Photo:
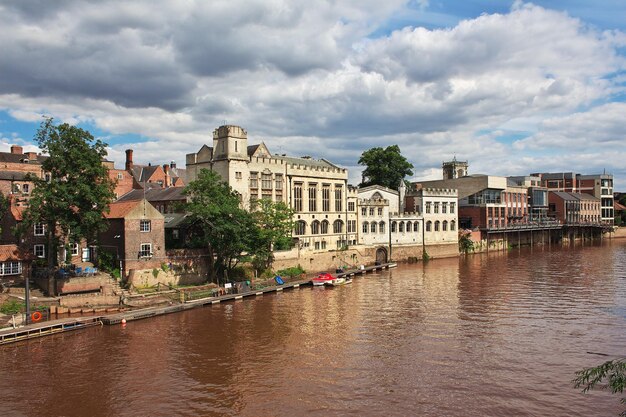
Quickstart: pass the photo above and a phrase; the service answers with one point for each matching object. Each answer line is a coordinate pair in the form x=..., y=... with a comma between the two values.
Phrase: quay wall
x=362, y=255
x=619, y=233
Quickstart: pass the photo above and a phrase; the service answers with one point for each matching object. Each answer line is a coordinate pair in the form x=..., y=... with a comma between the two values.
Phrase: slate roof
x=154, y=194
x=19, y=157
x=13, y=175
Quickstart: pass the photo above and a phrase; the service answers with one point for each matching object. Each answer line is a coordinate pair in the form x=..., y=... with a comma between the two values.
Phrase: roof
x=18, y=158
x=252, y=149
x=618, y=207
x=565, y=196
x=13, y=253
x=173, y=220
x=142, y=173
x=154, y=194
x=18, y=212
x=119, y=210
x=14, y=175
x=310, y=162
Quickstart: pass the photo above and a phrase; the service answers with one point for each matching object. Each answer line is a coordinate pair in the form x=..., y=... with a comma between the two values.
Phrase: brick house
x=135, y=235
x=14, y=166
x=15, y=264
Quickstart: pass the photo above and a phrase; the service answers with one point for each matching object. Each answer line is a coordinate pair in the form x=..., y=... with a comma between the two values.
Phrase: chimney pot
x=17, y=150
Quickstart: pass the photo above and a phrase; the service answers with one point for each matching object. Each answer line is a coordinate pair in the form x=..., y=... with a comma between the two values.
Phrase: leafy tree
x=613, y=371
x=275, y=223
x=386, y=167
x=466, y=244
x=70, y=201
x=228, y=231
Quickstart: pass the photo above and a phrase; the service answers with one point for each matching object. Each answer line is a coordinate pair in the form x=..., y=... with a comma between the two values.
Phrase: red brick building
x=135, y=235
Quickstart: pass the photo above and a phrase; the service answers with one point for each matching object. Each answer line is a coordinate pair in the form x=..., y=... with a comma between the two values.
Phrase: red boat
x=324, y=278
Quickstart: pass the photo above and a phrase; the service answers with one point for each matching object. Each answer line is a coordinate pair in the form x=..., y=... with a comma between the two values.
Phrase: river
x=498, y=334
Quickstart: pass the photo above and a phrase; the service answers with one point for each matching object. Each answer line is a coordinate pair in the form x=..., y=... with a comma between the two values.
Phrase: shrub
x=12, y=306
x=294, y=271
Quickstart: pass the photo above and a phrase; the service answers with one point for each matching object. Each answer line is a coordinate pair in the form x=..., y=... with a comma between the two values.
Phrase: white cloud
x=304, y=76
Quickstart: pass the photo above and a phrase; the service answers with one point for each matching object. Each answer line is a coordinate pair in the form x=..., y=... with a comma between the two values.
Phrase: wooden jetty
x=63, y=325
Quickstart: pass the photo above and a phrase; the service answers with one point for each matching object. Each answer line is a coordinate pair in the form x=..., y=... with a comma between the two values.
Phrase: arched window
x=315, y=227
x=300, y=228
x=409, y=226
x=452, y=225
x=394, y=227
x=373, y=227
x=365, y=227
x=416, y=226
x=429, y=226
x=338, y=226
x=324, y=227
x=401, y=227
x=381, y=227
x=444, y=226
x=437, y=226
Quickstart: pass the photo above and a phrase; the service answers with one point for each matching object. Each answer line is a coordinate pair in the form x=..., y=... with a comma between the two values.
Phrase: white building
x=316, y=189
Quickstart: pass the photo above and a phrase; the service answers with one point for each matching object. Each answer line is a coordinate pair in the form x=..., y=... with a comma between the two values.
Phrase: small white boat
x=336, y=282
x=348, y=280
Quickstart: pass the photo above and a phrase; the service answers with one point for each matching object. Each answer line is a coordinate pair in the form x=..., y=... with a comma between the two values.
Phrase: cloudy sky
x=513, y=87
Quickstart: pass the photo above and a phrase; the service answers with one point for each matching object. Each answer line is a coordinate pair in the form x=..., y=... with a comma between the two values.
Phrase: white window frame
x=145, y=250
x=39, y=250
x=39, y=229
x=74, y=249
x=10, y=268
x=142, y=226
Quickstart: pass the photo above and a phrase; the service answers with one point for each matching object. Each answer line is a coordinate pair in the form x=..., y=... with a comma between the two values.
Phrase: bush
x=291, y=272
x=12, y=306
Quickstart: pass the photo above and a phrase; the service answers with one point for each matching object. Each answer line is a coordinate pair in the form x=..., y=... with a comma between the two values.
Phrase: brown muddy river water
x=488, y=335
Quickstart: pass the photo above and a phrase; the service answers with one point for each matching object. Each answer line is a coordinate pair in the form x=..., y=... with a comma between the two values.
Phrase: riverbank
x=49, y=328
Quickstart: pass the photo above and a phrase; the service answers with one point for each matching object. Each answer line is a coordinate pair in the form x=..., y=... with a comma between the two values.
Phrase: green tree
x=76, y=190
x=275, y=223
x=228, y=231
x=613, y=372
x=386, y=167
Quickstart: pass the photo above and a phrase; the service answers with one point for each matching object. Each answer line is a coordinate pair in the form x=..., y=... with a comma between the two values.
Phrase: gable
x=261, y=151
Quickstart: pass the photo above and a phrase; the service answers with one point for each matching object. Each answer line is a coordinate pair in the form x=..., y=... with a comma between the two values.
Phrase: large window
x=452, y=205
x=254, y=180
x=10, y=268
x=351, y=206
x=338, y=198
x=437, y=226
x=145, y=250
x=428, y=207
x=315, y=227
x=145, y=225
x=39, y=251
x=40, y=229
x=278, y=183
x=324, y=227
x=266, y=181
x=326, y=198
x=373, y=227
x=312, y=197
x=394, y=227
x=381, y=227
x=338, y=226
x=300, y=228
x=297, y=197
x=429, y=226
x=365, y=227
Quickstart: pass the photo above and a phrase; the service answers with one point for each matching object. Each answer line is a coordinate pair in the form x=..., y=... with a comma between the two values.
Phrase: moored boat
x=336, y=282
x=323, y=278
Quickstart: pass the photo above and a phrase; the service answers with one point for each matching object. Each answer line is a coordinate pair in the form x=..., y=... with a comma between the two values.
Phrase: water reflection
x=492, y=334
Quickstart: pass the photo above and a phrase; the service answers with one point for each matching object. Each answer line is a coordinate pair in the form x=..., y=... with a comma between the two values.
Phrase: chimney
x=166, y=169
x=17, y=150
x=173, y=165
x=31, y=155
x=129, y=159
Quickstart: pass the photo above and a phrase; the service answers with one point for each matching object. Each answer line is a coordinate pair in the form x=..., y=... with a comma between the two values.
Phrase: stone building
x=316, y=189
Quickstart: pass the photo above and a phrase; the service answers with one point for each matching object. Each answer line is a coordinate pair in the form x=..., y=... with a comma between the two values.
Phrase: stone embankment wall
x=182, y=267
x=352, y=257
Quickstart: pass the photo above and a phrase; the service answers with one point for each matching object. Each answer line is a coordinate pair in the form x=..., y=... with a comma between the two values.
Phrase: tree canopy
x=275, y=223
x=613, y=372
x=386, y=167
x=76, y=189
x=228, y=230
